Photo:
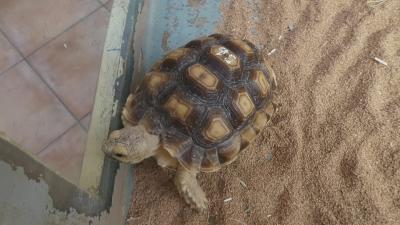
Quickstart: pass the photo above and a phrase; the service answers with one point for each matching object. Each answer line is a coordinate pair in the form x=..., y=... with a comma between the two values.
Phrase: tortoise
x=196, y=110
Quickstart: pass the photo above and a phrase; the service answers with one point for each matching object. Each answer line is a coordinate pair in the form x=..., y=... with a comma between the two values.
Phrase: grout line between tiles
x=42, y=79
x=77, y=121
x=55, y=139
x=101, y=3
x=25, y=58
x=105, y=5
x=55, y=94
x=62, y=32
x=84, y=118
x=108, y=10
x=12, y=66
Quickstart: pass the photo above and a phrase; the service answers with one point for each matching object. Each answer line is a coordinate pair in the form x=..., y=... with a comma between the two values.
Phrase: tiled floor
x=50, y=53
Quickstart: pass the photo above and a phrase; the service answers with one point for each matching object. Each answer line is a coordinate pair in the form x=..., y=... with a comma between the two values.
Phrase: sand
x=331, y=155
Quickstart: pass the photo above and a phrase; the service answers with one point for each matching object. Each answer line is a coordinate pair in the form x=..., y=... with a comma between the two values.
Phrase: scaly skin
x=190, y=190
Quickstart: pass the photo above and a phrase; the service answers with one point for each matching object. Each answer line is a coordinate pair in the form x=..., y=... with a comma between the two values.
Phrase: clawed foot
x=190, y=190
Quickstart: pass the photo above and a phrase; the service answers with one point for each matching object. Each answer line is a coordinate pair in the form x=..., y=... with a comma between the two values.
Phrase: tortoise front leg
x=190, y=190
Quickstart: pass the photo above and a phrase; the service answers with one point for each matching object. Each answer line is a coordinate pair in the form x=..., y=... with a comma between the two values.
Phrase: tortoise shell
x=207, y=100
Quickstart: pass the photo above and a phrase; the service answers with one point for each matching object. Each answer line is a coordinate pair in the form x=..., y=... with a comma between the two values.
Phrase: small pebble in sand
x=261, y=46
x=227, y=200
x=269, y=156
x=290, y=27
x=65, y=45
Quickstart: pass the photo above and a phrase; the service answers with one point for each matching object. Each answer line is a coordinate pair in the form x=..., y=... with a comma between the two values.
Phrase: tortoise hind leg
x=190, y=190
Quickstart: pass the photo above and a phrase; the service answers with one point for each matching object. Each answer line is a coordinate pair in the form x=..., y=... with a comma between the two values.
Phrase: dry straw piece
x=375, y=3
x=242, y=183
x=238, y=221
x=271, y=52
x=227, y=200
x=381, y=61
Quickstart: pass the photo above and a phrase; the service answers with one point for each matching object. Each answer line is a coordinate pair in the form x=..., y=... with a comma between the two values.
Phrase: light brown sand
x=332, y=153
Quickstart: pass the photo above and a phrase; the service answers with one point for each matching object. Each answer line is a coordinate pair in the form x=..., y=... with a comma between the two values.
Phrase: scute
x=243, y=49
x=134, y=109
x=192, y=158
x=259, y=121
x=173, y=58
x=202, y=77
x=270, y=73
x=200, y=42
x=243, y=104
x=228, y=151
x=217, y=128
x=178, y=107
x=247, y=134
x=176, y=143
x=260, y=81
x=210, y=161
x=225, y=56
x=208, y=100
x=155, y=80
x=225, y=61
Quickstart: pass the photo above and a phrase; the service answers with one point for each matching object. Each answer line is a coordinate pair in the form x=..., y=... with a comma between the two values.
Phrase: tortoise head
x=131, y=144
